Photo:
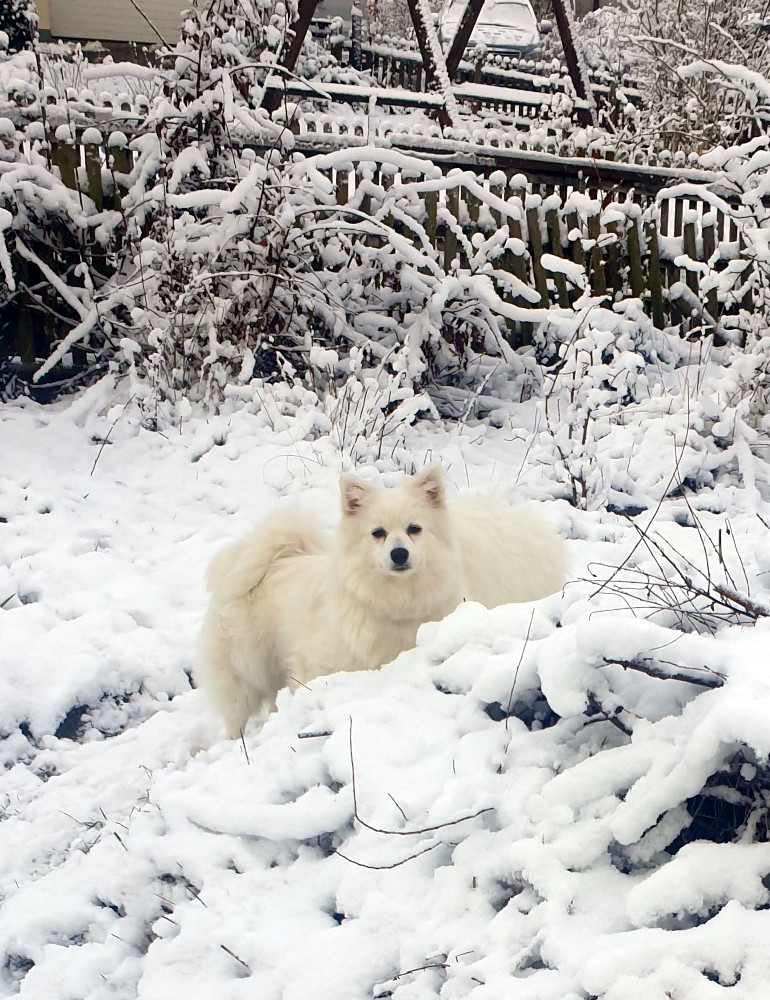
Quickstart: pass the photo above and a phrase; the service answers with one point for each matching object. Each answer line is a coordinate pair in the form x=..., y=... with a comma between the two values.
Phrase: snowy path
x=161, y=862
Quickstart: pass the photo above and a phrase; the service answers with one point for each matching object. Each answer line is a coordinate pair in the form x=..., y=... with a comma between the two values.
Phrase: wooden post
x=292, y=46
x=462, y=35
x=581, y=85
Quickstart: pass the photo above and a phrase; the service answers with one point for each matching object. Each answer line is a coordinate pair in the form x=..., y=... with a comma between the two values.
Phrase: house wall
x=114, y=20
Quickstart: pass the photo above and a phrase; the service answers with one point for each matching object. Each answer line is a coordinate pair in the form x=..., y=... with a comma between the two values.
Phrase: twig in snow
x=106, y=438
x=398, y=807
x=233, y=955
x=675, y=477
x=395, y=864
x=421, y=968
x=399, y=833
x=516, y=674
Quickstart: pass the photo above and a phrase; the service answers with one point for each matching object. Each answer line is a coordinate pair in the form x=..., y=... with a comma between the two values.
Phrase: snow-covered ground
x=464, y=822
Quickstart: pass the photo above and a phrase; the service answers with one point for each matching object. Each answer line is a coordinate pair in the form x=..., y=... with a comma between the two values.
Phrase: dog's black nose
x=399, y=556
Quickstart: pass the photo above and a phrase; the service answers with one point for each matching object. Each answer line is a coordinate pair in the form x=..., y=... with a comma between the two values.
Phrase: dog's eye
x=413, y=529
x=379, y=533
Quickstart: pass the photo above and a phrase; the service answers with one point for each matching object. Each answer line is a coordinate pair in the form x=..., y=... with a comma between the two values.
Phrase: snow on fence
x=544, y=227
x=395, y=66
x=551, y=227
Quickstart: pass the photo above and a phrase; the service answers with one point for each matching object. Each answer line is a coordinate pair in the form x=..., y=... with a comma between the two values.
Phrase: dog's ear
x=430, y=482
x=353, y=492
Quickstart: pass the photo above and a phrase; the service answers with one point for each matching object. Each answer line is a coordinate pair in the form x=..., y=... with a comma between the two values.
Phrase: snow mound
x=547, y=801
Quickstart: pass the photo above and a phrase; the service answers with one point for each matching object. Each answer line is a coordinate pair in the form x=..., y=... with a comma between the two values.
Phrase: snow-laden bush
x=235, y=264
x=651, y=43
x=18, y=23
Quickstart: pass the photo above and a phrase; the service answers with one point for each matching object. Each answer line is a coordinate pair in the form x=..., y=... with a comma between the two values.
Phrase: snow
x=498, y=842
x=561, y=800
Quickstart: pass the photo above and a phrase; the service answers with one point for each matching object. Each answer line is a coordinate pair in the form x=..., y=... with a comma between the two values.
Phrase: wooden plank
x=450, y=239
x=579, y=79
x=93, y=161
x=615, y=259
x=575, y=246
x=64, y=156
x=595, y=264
x=431, y=211
x=636, y=274
x=518, y=262
x=690, y=249
x=536, y=250
x=555, y=246
x=654, y=276
x=23, y=335
x=709, y=249
x=426, y=51
x=747, y=299
x=664, y=217
x=120, y=162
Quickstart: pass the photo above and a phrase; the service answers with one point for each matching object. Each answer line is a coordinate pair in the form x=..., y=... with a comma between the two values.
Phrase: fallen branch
x=709, y=679
x=598, y=712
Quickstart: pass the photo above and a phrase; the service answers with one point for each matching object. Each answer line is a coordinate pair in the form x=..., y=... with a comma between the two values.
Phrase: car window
x=512, y=12
x=508, y=13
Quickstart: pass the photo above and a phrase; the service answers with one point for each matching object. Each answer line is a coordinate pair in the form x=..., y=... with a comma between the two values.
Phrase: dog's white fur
x=289, y=604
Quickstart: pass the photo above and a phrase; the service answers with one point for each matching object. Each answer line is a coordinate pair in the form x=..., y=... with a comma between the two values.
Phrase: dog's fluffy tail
x=243, y=565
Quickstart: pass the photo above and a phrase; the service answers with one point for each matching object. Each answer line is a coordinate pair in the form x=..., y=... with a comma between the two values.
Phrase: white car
x=505, y=27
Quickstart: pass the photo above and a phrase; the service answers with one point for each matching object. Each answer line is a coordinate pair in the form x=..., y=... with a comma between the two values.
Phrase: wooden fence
x=570, y=221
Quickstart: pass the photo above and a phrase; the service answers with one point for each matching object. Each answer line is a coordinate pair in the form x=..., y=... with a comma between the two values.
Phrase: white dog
x=289, y=604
